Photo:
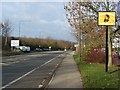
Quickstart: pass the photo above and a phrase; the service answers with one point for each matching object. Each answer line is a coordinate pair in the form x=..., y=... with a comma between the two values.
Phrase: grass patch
x=94, y=75
x=10, y=53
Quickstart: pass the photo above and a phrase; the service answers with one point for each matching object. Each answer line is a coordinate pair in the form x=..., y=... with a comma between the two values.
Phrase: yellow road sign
x=106, y=18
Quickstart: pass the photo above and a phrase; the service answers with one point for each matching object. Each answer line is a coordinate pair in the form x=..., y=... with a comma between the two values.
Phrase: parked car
x=45, y=49
x=24, y=48
x=38, y=49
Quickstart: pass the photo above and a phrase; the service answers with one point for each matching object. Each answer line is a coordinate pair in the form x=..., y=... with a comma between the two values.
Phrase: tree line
x=6, y=29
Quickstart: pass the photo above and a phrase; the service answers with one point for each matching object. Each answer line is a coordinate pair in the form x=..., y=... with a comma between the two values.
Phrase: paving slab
x=67, y=75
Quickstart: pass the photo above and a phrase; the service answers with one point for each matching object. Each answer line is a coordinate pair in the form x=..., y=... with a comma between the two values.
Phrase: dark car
x=45, y=49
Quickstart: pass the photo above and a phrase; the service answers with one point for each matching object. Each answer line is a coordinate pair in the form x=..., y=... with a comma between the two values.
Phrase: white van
x=24, y=48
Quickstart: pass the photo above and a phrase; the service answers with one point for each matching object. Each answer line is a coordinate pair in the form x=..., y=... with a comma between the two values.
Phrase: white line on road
x=40, y=86
x=18, y=79
x=28, y=73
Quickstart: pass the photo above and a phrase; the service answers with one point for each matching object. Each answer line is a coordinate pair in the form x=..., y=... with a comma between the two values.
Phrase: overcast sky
x=38, y=19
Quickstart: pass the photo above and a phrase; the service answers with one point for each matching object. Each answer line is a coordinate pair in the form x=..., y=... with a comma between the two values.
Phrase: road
x=29, y=73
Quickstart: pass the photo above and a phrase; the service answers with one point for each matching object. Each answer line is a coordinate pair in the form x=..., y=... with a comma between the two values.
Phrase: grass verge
x=10, y=53
x=94, y=75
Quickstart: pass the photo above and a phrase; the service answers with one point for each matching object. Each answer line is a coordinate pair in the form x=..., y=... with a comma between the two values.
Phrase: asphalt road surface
x=30, y=72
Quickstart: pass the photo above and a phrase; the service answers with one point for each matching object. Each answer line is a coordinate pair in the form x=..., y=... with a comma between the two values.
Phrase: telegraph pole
x=20, y=25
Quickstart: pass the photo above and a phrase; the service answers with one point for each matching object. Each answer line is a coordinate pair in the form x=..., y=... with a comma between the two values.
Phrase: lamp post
x=20, y=25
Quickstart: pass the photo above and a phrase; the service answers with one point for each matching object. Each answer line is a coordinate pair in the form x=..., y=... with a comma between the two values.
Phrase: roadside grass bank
x=94, y=75
x=11, y=53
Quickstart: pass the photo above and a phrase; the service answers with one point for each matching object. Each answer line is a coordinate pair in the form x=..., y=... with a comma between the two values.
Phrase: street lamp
x=20, y=25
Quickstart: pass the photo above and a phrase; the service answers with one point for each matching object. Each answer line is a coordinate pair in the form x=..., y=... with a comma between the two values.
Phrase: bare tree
x=0, y=28
x=6, y=29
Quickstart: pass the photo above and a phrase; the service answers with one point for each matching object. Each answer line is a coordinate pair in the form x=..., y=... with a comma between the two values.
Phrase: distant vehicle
x=45, y=49
x=24, y=48
x=38, y=49
x=28, y=49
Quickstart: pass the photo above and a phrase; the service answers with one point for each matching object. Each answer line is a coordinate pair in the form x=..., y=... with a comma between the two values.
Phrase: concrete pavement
x=67, y=75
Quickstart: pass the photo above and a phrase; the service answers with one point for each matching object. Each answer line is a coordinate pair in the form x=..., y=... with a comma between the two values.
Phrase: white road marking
x=18, y=79
x=40, y=86
x=11, y=56
x=28, y=73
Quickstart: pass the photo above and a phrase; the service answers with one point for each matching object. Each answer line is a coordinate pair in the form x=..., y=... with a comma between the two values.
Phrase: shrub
x=96, y=55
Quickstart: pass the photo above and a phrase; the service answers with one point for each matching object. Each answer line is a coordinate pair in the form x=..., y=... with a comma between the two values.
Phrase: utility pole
x=19, y=29
x=20, y=26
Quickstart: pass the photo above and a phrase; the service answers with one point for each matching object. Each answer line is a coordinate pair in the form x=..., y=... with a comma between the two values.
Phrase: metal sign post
x=107, y=52
x=106, y=19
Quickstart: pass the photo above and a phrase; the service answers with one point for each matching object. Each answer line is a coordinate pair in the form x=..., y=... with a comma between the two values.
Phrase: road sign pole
x=107, y=18
x=107, y=55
